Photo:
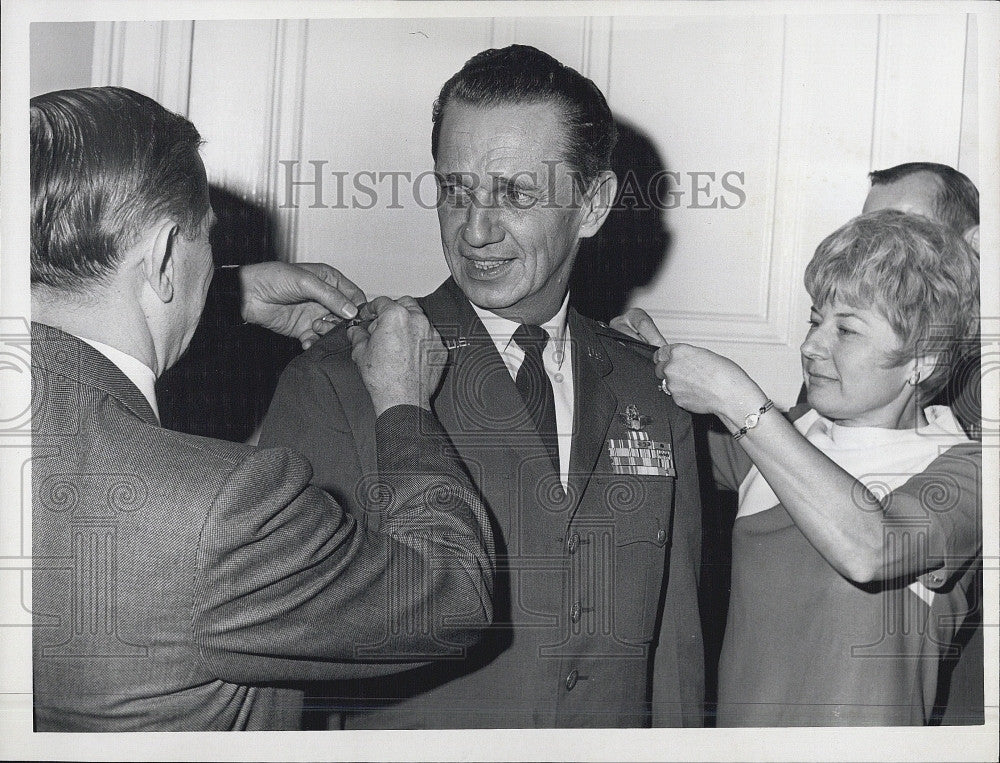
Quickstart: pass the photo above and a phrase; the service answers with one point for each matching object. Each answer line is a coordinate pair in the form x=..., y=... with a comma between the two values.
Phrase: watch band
x=751, y=419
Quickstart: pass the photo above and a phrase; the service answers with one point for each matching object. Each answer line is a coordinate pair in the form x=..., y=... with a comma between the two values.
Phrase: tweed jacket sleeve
x=289, y=586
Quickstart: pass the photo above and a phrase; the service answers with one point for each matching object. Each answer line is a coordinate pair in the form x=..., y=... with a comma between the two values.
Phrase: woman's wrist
x=747, y=400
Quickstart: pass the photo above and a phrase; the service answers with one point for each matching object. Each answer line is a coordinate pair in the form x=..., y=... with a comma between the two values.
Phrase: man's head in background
x=936, y=191
x=522, y=148
x=946, y=196
x=120, y=217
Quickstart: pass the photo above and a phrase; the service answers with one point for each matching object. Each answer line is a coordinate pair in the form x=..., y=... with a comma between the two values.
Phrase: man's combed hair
x=957, y=200
x=921, y=276
x=523, y=74
x=106, y=163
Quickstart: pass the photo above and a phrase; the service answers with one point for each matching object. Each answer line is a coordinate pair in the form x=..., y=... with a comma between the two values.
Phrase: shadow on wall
x=633, y=244
x=627, y=253
x=223, y=384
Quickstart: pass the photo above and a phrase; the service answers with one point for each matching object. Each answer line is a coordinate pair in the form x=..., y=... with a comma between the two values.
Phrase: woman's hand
x=637, y=324
x=699, y=380
x=702, y=381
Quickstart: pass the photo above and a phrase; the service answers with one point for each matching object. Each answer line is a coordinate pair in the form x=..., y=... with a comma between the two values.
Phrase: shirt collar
x=941, y=423
x=141, y=375
x=501, y=330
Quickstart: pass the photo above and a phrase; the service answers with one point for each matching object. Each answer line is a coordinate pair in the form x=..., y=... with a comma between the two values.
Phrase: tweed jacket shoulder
x=181, y=582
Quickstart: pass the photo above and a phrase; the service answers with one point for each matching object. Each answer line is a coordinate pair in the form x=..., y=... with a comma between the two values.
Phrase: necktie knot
x=530, y=338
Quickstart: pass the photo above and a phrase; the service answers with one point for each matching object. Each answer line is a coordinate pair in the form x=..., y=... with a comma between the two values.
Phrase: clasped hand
x=699, y=380
x=399, y=353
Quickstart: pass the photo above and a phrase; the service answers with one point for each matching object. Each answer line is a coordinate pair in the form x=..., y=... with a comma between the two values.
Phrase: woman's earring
x=915, y=378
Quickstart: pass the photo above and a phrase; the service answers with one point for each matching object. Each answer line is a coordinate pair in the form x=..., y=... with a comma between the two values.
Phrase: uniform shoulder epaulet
x=603, y=329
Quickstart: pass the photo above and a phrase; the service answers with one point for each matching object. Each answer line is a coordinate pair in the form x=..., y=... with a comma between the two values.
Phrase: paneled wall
x=766, y=125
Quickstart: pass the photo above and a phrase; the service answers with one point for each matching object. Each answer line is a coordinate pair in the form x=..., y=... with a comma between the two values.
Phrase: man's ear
x=159, y=264
x=971, y=237
x=597, y=203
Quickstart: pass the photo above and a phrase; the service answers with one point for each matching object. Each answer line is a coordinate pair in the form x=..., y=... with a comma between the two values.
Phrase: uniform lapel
x=477, y=392
x=595, y=405
x=479, y=406
x=477, y=402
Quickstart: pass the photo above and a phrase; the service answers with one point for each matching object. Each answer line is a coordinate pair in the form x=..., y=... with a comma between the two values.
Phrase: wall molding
x=768, y=322
x=173, y=64
x=151, y=57
x=503, y=31
x=286, y=115
x=925, y=123
x=595, y=58
x=106, y=66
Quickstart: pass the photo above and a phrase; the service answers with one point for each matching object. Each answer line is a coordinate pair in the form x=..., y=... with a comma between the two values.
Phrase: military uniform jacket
x=179, y=582
x=596, y=620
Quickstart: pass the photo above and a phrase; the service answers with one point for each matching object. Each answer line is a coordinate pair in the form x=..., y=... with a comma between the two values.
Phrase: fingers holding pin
x=661, y=357
x=327, y=322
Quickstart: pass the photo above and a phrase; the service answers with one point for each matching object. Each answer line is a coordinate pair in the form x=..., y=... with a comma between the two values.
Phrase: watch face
x=751, y=420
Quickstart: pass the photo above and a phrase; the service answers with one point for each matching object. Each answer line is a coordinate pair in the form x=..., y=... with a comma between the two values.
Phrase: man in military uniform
x=587, y=470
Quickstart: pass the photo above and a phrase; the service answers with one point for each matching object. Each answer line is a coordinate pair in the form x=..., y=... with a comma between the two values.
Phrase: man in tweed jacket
x=182, y=583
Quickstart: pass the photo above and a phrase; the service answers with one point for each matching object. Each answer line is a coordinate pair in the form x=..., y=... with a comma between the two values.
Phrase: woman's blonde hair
x=921, y=276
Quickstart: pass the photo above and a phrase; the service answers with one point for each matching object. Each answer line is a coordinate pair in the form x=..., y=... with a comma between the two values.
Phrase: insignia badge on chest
x=636, y=453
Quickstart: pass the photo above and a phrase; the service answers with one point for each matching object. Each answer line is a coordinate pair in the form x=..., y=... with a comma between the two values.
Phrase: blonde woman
x=859, y=522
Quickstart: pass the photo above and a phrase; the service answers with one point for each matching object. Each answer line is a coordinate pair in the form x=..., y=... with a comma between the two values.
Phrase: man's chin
x=487, y=296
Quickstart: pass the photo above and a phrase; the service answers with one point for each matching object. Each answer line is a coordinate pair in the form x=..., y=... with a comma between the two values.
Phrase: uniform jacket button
x=571, y=680
x=574, y=542
x=661, y=536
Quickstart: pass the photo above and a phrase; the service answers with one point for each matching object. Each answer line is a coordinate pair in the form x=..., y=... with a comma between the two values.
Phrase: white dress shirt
x=557, y=359
x=138, y=373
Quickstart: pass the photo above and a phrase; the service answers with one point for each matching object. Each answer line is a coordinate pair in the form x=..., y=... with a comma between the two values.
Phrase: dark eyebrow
x=524, y=180
x=453, y=177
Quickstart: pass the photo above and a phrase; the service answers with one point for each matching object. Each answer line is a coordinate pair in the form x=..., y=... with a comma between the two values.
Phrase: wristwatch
x=751, y=419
